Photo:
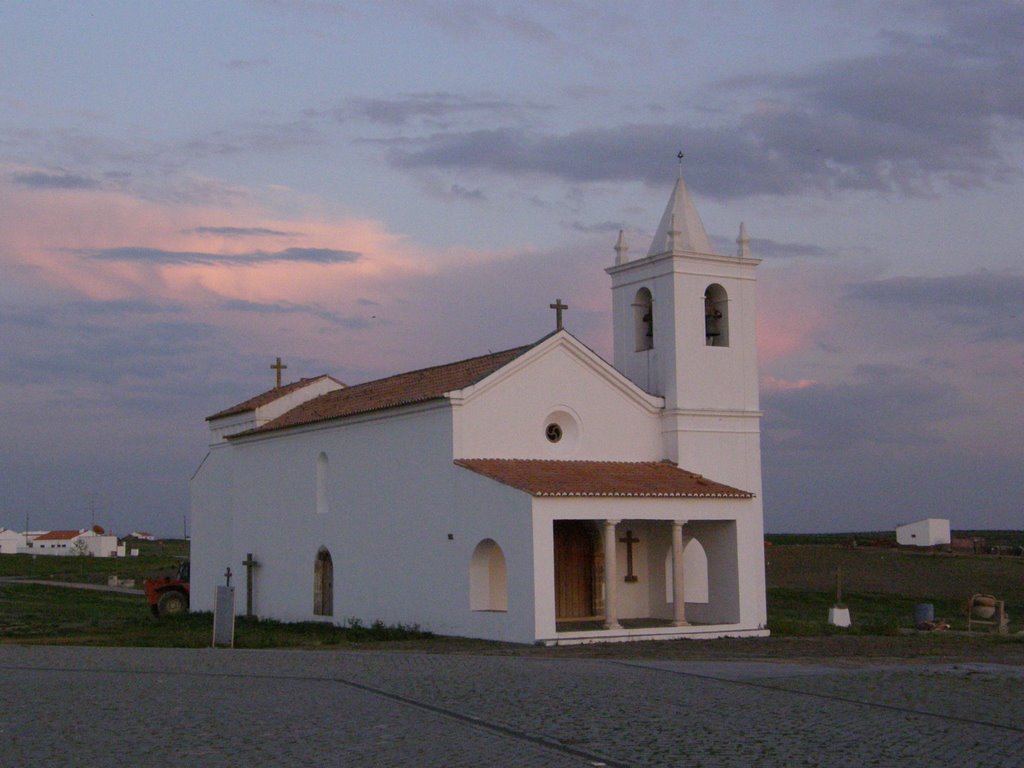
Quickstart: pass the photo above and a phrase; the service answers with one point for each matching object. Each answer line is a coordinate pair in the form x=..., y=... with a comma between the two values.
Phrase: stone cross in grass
x=249, y=564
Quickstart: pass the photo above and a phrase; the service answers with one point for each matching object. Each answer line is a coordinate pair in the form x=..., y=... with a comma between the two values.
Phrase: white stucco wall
x=212, y=519
x=924, y=533
x=100, y=545
x=393, y=496
x=10, y=541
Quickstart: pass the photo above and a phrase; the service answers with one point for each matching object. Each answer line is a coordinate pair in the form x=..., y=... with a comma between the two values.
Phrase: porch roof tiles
x=540, y=477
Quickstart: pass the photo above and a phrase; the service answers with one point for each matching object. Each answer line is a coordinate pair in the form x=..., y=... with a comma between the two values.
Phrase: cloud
x=473, y=19
x=926, y=110
x=143, y=255
x=289, y=308
x=773, y=384
x=262, y=61
x=772, y=249
x=252, y=137
x=65, y=347
x=599, y=227
x=435, y=108
x=59, y=180
x=881, y=405
x=991, y=304
x=239, y=232
x=463, y=193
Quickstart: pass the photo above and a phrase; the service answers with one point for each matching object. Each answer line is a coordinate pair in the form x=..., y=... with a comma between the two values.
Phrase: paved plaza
x=159, y=707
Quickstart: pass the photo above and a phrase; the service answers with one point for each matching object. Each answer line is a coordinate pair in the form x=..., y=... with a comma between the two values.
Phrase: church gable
x=559, y=400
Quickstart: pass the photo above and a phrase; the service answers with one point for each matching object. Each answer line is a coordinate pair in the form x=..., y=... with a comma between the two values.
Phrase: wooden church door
x=574, y=542
x=323, y=584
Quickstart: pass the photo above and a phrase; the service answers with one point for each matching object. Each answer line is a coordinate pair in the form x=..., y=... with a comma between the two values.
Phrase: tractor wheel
x=172, y=604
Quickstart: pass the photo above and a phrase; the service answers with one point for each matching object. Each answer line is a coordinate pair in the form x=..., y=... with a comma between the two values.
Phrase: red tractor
x=168, y=595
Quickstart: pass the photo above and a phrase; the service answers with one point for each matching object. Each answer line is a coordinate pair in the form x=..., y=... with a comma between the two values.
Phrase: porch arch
x=695, y=573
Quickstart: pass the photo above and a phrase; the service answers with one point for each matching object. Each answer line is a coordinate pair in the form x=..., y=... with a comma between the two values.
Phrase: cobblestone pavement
x=160, y=707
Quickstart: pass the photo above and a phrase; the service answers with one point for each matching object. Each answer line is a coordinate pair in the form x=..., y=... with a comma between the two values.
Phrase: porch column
x=678, y=587
x=611, y=619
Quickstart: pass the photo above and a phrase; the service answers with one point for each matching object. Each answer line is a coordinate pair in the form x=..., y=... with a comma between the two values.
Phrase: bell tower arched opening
x=643, y=320
x=716, y=316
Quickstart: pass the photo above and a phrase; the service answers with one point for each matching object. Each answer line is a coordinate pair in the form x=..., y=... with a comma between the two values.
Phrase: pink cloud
x=773, y=384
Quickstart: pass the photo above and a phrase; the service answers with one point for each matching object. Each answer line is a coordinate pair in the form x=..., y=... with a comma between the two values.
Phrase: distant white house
x=80, y=542
x=924, y=533
x=141, y=536
x=10, y=541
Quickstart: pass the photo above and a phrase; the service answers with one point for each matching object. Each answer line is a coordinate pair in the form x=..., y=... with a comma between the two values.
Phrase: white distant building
x=141, y=536
x=80, y=542
x=535, y=494
x=924, y=533
x=11, y=541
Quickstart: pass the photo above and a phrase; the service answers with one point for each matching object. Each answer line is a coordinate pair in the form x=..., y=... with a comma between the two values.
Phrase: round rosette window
x=561, y=430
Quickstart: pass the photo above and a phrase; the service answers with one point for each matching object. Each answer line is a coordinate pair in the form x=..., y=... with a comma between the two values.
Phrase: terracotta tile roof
x=57, y=536
x=401, y=389
x=600, y=478
x=265, y=397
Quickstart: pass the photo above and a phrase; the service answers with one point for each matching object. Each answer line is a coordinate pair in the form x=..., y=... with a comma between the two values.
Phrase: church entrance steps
x=645, y=629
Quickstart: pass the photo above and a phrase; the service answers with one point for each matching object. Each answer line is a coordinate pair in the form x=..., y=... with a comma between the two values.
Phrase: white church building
x=539, y=494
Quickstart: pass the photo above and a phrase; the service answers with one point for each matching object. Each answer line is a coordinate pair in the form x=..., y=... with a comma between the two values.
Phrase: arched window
x=488, y=579
x=643, y=320
x=321, y=484
x=323, y=584
x=695, y=573
x=716, y=316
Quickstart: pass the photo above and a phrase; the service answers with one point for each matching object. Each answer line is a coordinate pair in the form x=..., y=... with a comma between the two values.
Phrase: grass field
x=155, y=557
x=43, y=614
x=881, y=586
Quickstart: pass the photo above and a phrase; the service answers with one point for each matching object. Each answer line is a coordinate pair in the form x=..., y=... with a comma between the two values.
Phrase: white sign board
x=224, y=617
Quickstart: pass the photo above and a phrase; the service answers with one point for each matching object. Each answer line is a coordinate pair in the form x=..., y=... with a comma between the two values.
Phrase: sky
x=189, y=190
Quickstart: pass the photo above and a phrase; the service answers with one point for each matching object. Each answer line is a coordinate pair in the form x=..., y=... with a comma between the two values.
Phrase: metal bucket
x=923, y=612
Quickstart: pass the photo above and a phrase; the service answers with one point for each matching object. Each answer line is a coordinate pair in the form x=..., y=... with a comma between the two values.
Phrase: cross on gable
x=558, y=306
x=278, y=366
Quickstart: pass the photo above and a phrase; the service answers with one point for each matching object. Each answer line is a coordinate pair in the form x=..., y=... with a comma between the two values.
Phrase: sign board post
x=224, y=615
x=224, y=618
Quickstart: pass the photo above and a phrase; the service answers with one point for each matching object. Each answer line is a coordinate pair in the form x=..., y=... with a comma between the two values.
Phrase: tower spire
x=680, y=217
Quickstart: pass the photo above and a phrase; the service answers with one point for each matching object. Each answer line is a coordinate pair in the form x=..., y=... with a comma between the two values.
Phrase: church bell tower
x=684, y=328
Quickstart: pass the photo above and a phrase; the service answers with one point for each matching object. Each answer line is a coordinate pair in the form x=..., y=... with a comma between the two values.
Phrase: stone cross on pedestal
x=227, y=577
x=249, y=564
x=629, y=540
x=558, y=306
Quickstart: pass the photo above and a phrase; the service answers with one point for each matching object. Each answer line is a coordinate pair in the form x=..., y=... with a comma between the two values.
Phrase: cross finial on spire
x=680, y=157
x=558, y=306
x=278, y=366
